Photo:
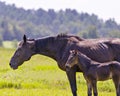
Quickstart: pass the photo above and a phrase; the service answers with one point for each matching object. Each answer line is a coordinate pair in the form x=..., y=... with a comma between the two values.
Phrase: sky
x=104, y=9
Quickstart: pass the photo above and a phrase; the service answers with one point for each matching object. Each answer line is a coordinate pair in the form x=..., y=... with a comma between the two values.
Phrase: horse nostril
x=10, y=64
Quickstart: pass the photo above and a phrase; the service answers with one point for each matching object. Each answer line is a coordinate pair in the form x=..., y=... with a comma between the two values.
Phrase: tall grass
x=41, y=76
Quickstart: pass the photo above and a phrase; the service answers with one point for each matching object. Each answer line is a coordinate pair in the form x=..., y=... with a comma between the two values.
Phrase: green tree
x=1, y=40
x=92, y=32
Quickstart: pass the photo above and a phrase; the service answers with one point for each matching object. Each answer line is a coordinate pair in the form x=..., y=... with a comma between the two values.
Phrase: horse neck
x=54, y=50
x=84, y=62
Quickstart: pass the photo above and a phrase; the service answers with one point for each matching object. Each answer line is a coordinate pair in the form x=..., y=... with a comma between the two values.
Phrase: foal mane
x=85, y=59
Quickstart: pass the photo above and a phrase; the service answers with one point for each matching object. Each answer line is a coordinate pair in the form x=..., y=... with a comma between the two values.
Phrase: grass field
x=41, y=77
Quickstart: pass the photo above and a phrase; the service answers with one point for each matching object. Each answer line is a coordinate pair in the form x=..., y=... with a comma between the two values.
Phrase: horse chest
x=61, y=66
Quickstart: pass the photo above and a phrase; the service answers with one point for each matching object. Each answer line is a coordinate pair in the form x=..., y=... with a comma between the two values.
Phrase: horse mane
x=85, y=59
x=88, y=60
x=65, y=35
x=30, y=39
x=62, y=35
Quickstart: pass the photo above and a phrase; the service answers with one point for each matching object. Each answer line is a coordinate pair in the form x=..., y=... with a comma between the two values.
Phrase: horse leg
x=71, y=74
x=94, y=86
x=89, y=89
x=116, y=83
x=119, y=86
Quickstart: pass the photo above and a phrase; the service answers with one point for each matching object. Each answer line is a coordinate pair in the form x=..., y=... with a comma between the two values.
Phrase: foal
x=95, y=71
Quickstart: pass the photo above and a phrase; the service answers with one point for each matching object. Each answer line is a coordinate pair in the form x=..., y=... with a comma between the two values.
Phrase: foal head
x=72, y=59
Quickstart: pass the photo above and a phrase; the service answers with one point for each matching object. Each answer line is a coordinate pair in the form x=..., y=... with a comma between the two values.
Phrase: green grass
x=41, y=76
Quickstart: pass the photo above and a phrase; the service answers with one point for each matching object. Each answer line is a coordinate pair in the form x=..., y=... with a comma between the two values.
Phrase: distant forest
x=14, y=22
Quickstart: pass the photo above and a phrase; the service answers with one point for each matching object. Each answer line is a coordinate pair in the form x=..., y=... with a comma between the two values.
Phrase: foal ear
x=76, y=51
x=24, y=38
x=72, y=51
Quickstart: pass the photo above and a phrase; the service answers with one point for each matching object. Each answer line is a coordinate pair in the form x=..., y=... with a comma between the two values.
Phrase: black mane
x=41, y=42
x=62, y=35
x=65, y=35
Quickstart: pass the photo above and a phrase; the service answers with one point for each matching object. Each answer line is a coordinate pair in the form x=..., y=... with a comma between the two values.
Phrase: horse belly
x=103, y=73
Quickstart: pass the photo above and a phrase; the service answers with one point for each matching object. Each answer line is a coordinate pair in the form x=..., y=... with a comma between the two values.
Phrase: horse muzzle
x=13, y=66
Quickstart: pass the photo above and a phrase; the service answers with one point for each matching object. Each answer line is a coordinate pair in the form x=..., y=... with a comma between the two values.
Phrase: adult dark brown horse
x=58, y=47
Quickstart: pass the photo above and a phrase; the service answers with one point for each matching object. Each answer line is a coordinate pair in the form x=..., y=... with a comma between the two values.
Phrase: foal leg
x=89, y=89
x=94, y=86
x=116, y=83
x=119, y=88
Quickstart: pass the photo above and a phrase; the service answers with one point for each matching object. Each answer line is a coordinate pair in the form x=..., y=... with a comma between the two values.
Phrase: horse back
x=97, y=50
x=114, y=44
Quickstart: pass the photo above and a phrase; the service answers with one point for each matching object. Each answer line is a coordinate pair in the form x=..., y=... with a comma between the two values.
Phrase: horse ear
x=24, y=38
x=76, y=51
x=72, y=51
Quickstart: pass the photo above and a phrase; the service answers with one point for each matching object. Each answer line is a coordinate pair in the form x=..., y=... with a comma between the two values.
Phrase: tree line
x=14, y=22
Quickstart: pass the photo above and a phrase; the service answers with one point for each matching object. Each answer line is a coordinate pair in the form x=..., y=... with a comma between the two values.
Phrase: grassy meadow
x=41, y=76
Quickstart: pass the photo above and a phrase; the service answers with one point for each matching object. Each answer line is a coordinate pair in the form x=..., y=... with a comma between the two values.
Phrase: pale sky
x=104, y=9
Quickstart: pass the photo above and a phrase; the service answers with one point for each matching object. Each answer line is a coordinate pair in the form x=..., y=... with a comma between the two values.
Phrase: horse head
x=23, y=53
x=72, y=59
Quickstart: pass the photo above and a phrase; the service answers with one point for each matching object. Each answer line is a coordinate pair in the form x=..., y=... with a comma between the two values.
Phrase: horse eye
x=73, y=55
x=18, y=54
x=19, y=49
